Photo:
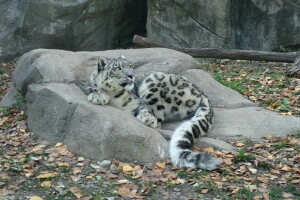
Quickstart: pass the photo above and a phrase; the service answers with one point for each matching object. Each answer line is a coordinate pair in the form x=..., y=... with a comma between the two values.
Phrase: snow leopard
x=160, y=97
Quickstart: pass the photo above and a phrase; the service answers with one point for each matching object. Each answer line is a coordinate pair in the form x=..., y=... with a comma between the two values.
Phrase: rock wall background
x=108, y=24
x=69, y=24
x=247, y=24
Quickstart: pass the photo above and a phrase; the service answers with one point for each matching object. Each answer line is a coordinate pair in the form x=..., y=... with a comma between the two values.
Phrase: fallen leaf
x=124, y=191
x=209, y=149
x=48, y=175
x=46, y=184
x=286, y=168
x=67, y=165
x=80, y=159
x=252, y=170
x=161, y=165
x=3, y=120
x=35, y=198
x=239, y=144
x=123, y=181
x=76, y=192
x=251, y=187
x=111, y=175
x=295, y=181
x=266, y=196
x=204, y=191
x=5, y=192
x=75, y=178
x=127, y=168
x=77, y=170
x=263, y=180
x=287, y=195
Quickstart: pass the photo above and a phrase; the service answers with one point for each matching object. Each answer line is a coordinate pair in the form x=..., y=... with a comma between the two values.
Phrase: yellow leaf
x=48, y=175
x=46, y=184
x=161, y=165
x=89, y=177
x=239, y=144
x=67, y=165
x=209, y=149
x=286, y=168
x=76, y=192
x=122, y=181
x=127, y=168
x=35, y=198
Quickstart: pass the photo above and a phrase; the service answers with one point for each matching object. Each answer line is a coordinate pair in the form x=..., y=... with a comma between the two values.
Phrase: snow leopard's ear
x=101, y=63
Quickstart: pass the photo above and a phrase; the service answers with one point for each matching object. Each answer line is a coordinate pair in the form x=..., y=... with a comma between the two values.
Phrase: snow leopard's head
x=114, y=75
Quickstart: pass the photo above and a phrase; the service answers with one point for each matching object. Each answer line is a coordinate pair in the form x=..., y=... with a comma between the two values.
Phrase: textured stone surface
x=59, y=112
x=73, y=25
x=248, y=24
x=9, y=98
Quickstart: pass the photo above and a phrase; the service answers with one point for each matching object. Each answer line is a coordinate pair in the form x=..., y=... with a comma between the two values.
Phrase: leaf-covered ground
x=30, y=168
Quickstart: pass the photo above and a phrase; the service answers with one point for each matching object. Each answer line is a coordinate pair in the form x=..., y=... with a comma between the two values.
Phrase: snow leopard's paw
x=147, y=118
x=98, y=98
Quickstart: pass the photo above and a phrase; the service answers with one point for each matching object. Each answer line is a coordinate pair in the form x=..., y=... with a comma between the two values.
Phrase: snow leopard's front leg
x=98, y=96
x=146, y=117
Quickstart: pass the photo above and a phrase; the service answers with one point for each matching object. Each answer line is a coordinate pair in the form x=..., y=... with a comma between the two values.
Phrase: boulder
x=249, y=24
x=69, y=24
x=58, y=110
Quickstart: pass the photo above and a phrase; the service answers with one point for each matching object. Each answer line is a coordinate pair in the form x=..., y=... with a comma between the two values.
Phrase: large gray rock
x=73, y=25
x=248, y=24
x=59, y=112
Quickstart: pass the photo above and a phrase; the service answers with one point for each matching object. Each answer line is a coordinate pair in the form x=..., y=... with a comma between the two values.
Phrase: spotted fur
x=160, y=97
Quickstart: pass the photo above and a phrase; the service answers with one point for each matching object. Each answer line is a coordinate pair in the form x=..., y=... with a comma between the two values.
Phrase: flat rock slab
x=59, y=112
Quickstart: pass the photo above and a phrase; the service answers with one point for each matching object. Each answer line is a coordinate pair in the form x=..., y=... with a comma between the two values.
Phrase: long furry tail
x=184, y=137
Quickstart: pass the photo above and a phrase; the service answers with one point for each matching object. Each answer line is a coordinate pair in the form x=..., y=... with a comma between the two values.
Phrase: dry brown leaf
x=295, y=181
x=5, y=192
x=266, y=196
x=161, y=165
x=111, y=175
x=239, y=144
x=286, y=168
x=251, y=187
x=46, y=184
x=204, y=191
x=48, y=175
x=75, y=178
x=67, y=165
x=209, y=149
x=3, y=120
x=76, y=192
x=263, y=180
x=77, y=170
x=124, y=191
